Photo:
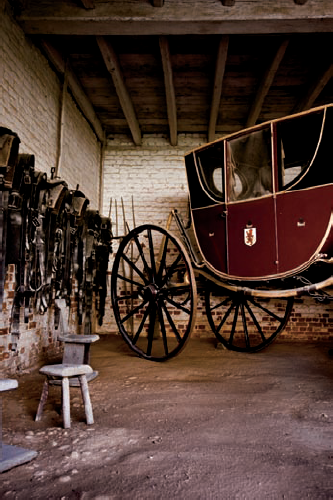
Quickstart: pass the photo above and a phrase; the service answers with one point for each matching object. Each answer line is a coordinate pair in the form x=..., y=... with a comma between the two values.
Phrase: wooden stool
x=65, y=372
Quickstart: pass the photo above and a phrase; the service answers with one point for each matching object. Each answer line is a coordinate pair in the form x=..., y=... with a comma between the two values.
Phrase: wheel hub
x=151, y=292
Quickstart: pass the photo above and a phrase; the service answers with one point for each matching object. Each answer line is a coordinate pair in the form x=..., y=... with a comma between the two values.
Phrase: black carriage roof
x=202, y=162
x=259, y=126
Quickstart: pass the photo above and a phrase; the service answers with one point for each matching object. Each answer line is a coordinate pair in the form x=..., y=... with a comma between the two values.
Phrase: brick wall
x=31, y=97
x=31, y=106
x=153, y=174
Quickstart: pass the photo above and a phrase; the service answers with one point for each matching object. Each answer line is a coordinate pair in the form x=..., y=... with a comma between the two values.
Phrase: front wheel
x=244, y=323
x=153, y=292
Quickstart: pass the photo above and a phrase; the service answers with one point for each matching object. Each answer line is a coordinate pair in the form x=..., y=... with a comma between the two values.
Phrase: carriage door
x=251, y=236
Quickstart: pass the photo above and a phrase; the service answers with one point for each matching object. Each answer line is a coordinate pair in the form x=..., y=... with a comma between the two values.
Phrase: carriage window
x=298, y=139
x=210, y=162
x=250, y=165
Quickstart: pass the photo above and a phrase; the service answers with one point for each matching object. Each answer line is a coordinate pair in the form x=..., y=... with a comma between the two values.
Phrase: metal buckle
x=35, y=221
x=15, y=200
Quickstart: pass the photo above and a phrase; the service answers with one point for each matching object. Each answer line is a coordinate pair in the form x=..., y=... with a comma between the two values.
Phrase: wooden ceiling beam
x=221, y=60
x=314, y=90
x=128, y=17
x=266, y=83
x=113, y=66
x=74, y=85
x=169, y=89
x=157, y=3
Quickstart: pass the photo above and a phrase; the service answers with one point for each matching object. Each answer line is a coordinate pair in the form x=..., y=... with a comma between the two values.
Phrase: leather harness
x=47, y=231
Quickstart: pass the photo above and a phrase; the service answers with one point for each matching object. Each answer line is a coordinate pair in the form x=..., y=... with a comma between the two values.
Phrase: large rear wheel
x=153, y=292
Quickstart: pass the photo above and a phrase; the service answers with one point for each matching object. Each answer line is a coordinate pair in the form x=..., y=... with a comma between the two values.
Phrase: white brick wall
x=31, y=97
x=154, y=174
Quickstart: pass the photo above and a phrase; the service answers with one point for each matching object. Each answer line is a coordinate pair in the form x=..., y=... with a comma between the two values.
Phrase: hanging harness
x=48, y=233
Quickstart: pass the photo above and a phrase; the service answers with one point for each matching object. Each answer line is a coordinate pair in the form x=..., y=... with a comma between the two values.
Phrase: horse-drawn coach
x=260, y=234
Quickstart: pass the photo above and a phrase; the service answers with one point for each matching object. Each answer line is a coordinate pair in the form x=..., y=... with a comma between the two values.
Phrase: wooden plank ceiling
x=174, y=66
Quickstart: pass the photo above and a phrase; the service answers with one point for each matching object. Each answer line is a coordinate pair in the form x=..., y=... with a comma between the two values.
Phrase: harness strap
x=17, y=237
x=9, y=146
x=3, y=237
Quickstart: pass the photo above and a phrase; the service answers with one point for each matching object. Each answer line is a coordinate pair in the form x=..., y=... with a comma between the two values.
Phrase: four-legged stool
x=64, y=372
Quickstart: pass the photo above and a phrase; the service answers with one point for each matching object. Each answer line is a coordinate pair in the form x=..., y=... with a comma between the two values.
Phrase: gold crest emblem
x=250, y=236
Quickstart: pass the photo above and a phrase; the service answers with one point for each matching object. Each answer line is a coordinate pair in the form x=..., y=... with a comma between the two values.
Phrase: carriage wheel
x=245, y=323
x=153, y=292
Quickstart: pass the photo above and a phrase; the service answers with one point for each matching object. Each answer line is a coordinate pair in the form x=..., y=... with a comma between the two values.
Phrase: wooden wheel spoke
x=163, y=259
x=151, y=253
x=128, y=296
x=138, y=333
x=133, y=311
x=246, y=333
x=171, y=269
x=163, y=330
x=225, y=317
x=254, y=319
x=177, y=305
x=271, y=313
x=151, y=328
x=129, y=280
x=135, y=268
x=171, y=322
x=221, y=304
x=234, y=324
x=142, y=255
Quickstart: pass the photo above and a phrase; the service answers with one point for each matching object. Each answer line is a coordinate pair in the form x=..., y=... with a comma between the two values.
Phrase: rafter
x=78, y=93
x=157, y=3
x=266, y=83
x=175, y=18
x=218, y=82
x=113, y=66
x=169, y=89
x=314, y=90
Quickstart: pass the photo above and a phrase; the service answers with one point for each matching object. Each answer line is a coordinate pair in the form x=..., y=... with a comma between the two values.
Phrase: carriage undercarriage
x=154, y=295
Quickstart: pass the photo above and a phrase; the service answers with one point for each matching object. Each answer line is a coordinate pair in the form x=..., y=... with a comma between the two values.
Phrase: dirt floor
x=209, y=424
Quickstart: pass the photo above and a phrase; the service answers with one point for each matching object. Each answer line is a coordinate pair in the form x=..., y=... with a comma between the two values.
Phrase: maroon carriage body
x=262, y=199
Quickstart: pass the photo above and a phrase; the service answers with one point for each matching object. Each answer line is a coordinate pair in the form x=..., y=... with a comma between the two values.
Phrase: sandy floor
x=209, y=424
